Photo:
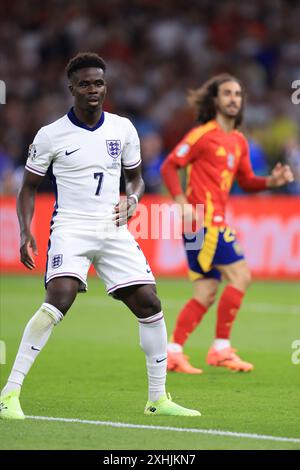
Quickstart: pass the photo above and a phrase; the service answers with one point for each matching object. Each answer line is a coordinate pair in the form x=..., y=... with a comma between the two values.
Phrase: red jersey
x=213, y=159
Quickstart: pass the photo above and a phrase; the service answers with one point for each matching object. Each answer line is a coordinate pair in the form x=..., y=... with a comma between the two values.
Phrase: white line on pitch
x=213, y=432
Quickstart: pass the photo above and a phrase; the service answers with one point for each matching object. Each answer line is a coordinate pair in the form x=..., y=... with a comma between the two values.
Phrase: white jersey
x=86, y=164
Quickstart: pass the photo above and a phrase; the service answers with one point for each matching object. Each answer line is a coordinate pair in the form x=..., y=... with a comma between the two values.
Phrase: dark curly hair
x=83, y=60
x=202, y=99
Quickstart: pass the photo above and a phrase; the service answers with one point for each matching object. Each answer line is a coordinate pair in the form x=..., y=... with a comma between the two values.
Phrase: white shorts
x=117, y=258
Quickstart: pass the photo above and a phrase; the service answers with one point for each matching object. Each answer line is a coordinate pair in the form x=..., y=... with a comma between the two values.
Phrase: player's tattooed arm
x=134, y=186
x=25, y=210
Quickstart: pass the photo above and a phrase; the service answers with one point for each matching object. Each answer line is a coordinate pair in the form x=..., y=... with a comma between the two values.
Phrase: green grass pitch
x=93, y=369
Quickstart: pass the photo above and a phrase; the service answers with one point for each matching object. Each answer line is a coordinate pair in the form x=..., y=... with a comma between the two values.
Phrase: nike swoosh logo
x=148, y=271
x=161, y=360
x=152, y=409
x=35, y=349
x=70, y=153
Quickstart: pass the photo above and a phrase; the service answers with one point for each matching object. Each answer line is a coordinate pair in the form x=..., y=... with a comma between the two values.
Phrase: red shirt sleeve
x=183, y=154
x=245, y=175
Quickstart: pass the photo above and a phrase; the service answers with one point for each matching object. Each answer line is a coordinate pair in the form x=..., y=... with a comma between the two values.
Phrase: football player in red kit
x=214, y=152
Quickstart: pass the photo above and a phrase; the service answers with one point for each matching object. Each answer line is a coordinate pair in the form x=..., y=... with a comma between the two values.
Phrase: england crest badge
x=114, y=148
x=57, y=261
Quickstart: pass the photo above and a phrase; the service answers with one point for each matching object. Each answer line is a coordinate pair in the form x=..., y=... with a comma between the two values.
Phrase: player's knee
x=243, y=280
x=247, y=278
x=62, y=299
x=211, y=299
x=148, y=303
x=61, y=292
x=206, y=298
x=152, y=306
x=156, y=305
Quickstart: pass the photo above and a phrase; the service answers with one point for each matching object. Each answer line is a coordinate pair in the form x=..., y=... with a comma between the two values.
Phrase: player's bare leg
x=204, y=294
x=144, y=303
x=221, y=354
x=61, y=293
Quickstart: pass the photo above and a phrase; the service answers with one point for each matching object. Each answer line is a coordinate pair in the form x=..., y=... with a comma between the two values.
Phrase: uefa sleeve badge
x=182, y=150
x=32, y=152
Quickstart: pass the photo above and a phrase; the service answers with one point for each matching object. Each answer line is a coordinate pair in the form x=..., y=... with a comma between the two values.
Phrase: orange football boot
x=227, y=358
x=178, y=362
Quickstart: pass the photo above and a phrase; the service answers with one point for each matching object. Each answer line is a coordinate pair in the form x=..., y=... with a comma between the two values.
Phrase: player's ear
x=71, y=88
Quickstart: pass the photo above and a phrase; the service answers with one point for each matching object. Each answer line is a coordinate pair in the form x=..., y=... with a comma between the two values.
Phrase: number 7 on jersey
x=99, y=177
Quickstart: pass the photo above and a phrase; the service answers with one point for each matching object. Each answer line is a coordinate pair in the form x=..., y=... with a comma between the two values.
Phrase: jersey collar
x=220, y=128
x=74, y=119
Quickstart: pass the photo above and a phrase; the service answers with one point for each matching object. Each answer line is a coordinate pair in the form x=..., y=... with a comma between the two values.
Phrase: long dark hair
x=202, y=99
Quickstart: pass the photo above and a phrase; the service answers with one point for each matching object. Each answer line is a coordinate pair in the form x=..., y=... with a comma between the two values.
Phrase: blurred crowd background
x=155, y=51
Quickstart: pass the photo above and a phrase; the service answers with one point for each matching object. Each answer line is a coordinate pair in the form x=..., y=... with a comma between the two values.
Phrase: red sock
x=187, y=320
x=228, y=308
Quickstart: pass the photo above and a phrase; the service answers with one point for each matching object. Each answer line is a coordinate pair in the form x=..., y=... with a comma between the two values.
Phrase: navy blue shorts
x=219, y=246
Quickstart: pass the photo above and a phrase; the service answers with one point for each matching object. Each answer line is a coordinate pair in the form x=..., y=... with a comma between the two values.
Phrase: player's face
x=229, y=99
x=89, y=88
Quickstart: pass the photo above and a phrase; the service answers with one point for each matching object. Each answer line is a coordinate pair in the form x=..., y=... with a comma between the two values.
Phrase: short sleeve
x=40, y=154
x=131, y=155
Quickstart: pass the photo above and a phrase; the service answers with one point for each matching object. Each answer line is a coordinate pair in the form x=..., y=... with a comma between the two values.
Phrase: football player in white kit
x=85, y=151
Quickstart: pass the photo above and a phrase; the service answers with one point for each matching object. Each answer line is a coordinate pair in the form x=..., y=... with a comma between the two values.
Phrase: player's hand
x=124, y=211
x=28, y=247
x=281, y=174
x=190, y=219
